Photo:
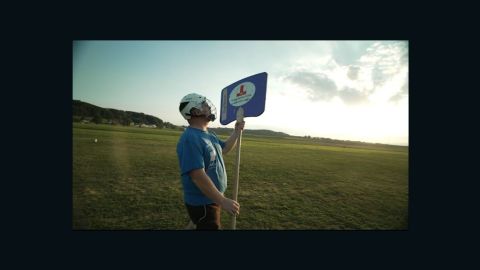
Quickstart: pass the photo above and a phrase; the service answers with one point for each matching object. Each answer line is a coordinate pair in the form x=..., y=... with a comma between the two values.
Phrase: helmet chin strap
x=211, y=117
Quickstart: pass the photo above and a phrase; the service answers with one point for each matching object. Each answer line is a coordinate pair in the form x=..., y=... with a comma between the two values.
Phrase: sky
x=347, y=90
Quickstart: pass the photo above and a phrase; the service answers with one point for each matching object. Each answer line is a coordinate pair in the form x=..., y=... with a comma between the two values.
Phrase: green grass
x=130, y=179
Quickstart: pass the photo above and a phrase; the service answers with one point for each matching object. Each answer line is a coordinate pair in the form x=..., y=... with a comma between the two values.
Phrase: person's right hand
x=239, y=126
x=231, y=206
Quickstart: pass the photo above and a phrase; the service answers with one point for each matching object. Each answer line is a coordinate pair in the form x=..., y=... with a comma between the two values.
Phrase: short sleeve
x=222, y=143
x=192, y=157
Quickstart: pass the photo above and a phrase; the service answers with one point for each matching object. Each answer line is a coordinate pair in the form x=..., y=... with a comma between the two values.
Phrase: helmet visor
x=209, y=109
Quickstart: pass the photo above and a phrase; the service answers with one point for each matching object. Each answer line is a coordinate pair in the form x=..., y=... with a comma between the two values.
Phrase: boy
x=204, y=178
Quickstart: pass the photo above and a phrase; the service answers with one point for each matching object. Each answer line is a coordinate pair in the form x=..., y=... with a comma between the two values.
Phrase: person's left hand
x=239, y=126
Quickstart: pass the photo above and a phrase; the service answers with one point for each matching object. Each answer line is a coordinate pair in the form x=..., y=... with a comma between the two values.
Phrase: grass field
x=130, y=180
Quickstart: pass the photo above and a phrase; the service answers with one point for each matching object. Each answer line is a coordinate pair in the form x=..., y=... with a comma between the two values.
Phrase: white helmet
x=196, y=101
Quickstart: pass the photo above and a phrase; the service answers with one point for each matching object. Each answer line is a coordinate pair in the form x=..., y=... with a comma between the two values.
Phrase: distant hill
x=254, y=132
x=321, y=141
x=86, y=112
x=348, y=143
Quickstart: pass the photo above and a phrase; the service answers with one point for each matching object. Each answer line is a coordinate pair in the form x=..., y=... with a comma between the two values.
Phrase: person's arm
x=205, y=184
x=232, y=140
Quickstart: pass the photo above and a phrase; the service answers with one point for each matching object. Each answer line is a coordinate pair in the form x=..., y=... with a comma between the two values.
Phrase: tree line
x=82, y=111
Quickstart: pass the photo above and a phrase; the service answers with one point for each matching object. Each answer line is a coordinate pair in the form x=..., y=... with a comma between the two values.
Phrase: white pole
x=237, y=166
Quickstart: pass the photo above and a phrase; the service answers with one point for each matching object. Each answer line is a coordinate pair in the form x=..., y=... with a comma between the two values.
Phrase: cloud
x=348, y=52
x=379, y=77
x=385, y=60
x=400, y=94
x=404, y=53
x=319, y=85
x=352, y=96
x=353, y=72
x=396, y=98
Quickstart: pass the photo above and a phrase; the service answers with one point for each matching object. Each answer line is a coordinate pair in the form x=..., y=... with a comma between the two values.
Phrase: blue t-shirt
x=198, y=149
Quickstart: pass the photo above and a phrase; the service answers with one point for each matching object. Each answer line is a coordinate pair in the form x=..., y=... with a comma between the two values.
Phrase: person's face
x=205, y=109
x=209, y=110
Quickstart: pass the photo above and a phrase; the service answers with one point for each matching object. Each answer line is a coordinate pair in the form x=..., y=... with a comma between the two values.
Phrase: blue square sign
x=248, y=93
